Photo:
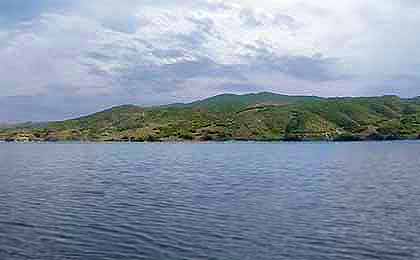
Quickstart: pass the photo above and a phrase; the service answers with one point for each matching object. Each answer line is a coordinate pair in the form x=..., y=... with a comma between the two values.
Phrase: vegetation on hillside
x=263, y=116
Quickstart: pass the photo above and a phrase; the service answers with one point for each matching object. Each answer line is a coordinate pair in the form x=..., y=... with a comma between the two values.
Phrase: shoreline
x=207, y=142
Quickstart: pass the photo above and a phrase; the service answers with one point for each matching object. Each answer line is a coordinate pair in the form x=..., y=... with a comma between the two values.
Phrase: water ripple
x=213, y=201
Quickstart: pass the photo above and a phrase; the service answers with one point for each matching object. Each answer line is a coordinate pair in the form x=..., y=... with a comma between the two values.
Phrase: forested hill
x=263, y=116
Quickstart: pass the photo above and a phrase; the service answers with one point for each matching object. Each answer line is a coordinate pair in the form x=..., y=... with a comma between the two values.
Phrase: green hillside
x=263, y=116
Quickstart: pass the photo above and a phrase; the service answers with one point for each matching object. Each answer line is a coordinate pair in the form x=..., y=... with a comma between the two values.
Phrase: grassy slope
x=263, y=116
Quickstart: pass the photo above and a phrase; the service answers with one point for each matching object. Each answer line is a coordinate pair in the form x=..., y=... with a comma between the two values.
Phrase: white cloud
x=169, y=50
x=48, y=52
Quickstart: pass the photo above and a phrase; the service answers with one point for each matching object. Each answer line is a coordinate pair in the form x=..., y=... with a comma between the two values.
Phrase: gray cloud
x=60, y=54
x=313, y=68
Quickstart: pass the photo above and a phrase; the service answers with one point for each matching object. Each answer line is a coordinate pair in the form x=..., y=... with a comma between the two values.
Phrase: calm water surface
x=228, y=201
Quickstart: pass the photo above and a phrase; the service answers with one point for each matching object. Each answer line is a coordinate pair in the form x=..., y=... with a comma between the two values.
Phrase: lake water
x=304, y=201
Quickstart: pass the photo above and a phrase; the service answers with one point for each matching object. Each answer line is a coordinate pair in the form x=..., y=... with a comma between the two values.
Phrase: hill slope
x=262, y=116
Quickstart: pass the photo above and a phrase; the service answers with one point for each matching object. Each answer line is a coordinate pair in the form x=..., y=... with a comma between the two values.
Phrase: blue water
x=228, y=201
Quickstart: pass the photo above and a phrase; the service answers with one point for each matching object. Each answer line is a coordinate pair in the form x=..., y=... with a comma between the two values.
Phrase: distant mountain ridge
x=261, y=116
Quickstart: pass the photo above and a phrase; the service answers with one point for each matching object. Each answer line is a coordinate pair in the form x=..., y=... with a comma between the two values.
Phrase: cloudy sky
x=64, y=58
